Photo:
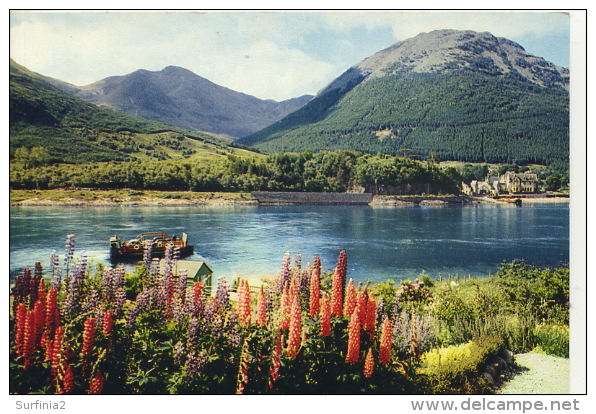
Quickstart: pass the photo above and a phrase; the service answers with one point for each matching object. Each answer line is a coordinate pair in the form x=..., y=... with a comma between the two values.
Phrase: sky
x=271, y=55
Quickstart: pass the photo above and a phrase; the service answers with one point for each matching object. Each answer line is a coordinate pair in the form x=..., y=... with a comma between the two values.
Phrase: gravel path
x=539, y=374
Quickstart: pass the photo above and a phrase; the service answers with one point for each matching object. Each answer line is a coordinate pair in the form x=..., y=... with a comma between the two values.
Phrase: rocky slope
x=448, y=50
x=179, y=97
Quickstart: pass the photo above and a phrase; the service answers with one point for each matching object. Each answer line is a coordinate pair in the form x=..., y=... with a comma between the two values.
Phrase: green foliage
x=453, y=116
x=48, y=125
x=135, y=282
x=546, y=291
x=455, y=368
x=168, y=338
x=553, y=339
x=335, y=171
x=386, y=292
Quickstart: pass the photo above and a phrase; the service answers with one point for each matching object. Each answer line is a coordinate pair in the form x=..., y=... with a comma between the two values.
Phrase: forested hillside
x=474, y=105
x=48, y=125
x=331, y=171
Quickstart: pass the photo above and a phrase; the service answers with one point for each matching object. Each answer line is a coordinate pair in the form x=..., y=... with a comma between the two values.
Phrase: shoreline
x=131, y=198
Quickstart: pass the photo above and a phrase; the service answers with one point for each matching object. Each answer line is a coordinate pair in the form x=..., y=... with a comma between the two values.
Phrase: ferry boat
x=134, y=249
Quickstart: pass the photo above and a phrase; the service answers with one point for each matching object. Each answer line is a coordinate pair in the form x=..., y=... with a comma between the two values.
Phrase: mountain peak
x=180, y=97
x=446, y=50
x=455, y=94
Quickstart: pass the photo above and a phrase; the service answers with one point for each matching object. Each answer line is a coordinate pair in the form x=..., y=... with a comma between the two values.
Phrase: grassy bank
x=86, y=197
x=91, y=197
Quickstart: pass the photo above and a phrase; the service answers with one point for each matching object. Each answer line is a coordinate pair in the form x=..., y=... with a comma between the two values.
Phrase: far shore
x=132, y=198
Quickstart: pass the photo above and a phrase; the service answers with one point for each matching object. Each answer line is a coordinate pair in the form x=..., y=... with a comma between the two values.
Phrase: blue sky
x=271, y=55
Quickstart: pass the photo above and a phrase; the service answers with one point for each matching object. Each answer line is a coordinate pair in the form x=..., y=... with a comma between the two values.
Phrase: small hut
x=197, y=272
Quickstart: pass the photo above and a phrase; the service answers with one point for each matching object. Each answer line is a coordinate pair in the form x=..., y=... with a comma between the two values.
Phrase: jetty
x=278, y=197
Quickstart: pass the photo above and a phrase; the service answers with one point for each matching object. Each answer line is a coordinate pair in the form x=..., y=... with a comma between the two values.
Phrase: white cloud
x=273, y=72
x=284, y=58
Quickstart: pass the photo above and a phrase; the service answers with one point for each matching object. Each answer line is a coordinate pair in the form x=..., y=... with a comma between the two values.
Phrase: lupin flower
x=54, y=262
x=107, y=284
x=20, y=316
x=369, y=364
x=315, y=288
x=209, y=312
x=232, y=331
x=194, y=362
x=284, y=309
x=88, y=337
x=57, y=279
x=304, y=282
x=414, y=346
x=96, y=385
x=198, y=300
x=275, y=360
x=42, y=292
x=244, y=310
x=217, y=325
x=371, y=315
x=192, y=333
x=298, y=261
x=179, y=353
x=182, y=281
x=66, y=385
x=294, y=335
x=91, y=302
x=69, y=248
x=119, y=300
x=386, y=341
x=286, y=272
x=83, y=263
x=87, y=346
x=39, y=311
x=338, y=284
x=243, y=369
x=56, y=351
x=353, y=353
x=325, y=315
x=131, y=318
x=107, y=323
x=147, y=253
x=222, y=296
x=71, y=305
x=178, y=309
x=261, y=308
x=350, y=299
x=38, y=274
x=47, y=342
x=154, y=269
x=20, y=291
x=29, y=337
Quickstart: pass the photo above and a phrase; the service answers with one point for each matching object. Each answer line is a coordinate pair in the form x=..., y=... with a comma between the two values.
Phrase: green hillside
x=48, y=125
x=461, y=115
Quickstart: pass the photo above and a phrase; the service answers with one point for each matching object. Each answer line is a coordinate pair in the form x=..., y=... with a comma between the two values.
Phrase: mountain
x=64, y=128
x=179, y=97
x=447, y=94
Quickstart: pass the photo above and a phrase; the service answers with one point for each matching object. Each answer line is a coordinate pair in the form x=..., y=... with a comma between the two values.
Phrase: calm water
x=381, y=243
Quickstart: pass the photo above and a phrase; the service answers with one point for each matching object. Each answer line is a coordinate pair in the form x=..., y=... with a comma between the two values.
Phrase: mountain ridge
x=428, y=52
x=449, y=94
x=178, y=96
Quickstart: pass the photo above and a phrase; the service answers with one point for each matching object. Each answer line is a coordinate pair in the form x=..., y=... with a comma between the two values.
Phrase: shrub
x=455, y=368
x=546, y=290
x=553, y=339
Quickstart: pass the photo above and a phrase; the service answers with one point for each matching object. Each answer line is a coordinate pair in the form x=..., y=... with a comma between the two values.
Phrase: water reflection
x=381, y=243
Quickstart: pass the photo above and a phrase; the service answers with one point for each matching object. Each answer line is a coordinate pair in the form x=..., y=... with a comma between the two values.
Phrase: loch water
x=381, y=243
